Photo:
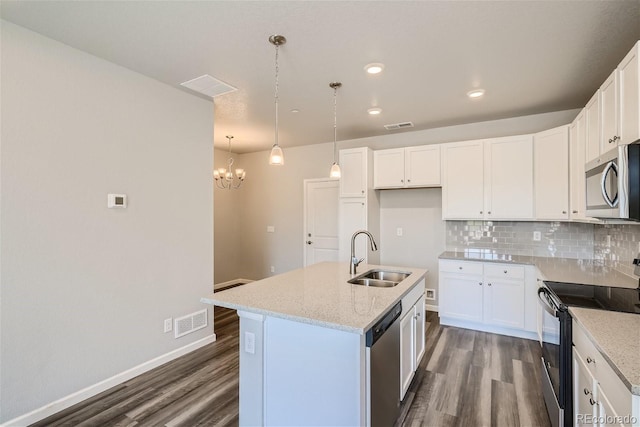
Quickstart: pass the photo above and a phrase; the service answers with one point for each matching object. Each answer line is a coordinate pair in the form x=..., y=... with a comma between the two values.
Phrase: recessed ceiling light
x=374, y=68
x=374, y=111
x=476, y=93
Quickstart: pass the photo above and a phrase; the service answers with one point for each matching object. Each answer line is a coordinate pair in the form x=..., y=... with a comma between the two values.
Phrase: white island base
x=293, y=373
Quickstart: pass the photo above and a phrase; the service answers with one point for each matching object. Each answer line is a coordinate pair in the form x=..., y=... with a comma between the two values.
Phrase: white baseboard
x=465, y=324
x=431, y=307
x=70, y=400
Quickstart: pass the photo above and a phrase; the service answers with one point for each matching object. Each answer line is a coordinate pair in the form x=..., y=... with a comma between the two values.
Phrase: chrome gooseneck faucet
x=353, y=265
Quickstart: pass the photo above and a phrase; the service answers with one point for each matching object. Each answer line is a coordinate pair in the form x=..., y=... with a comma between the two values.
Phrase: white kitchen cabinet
x=577, y=160
x=388, y=168
x=592, y=120
x=490, y=179
x=609, y=113
x=584, y=392
x=412, y=342
x=508, y=178
x=354, y=165
x=597, y=389
x=504, y=295
x=629, y=96
x=551, y=163
x=407, y=167
x=358, y=208
x=491, y=297
x=463, y=180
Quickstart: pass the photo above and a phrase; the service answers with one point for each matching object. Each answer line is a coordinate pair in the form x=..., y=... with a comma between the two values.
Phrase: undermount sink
x=379, y=278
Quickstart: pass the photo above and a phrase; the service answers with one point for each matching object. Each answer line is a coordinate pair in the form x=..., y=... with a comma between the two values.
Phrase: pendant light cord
x=335, y=121
x=276, y=96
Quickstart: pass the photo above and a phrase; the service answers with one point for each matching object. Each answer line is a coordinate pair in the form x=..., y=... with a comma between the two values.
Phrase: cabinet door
x=353, y=217
x=353, y=165
x=462, y=180
x=609, y=113
x=577, y=160
x=584, y=391
x=629, y=81
x=504, y=303
x=388, y=168
x=420, y=329
x=422, y=166
x=605, y=410
x=407, y=351
x=461, y=297
x=508, y=178
x=592, y=119
x=551, y=151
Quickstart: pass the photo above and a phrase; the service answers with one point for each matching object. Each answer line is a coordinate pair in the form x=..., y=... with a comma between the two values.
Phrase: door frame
x=304, y=211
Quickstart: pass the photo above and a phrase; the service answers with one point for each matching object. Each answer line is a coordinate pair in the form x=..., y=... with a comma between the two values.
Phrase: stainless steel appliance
x=556, y=336
x=383, y=345
x=613, y=184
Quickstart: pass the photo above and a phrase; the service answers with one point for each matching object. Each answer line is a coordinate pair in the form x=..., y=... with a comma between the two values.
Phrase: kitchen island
x=303, y=353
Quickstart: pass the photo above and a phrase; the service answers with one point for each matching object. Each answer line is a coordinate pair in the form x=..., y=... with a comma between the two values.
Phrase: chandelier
x=225, y=179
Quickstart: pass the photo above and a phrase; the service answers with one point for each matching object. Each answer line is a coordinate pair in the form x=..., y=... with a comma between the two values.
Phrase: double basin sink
x=379, y=278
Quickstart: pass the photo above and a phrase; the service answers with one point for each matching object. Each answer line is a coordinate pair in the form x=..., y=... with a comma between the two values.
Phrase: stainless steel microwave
x=613, y=184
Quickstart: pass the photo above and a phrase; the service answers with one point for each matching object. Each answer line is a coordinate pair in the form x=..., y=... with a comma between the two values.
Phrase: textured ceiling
x=530, y=57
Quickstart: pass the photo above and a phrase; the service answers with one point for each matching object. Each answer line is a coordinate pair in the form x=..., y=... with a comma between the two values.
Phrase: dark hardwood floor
x=466, y=378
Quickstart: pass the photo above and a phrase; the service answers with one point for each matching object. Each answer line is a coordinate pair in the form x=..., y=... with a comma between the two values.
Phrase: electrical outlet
x=168, y=325
x=399, y=231
x=271, y=229
x=249, y=342
x=430, y=294
x=536, y=236
x=273, y=269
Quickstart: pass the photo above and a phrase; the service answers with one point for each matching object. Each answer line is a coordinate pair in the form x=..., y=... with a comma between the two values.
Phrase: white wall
x=227, y=225
x=419, y=213
x=84, y=289
x=273, y=195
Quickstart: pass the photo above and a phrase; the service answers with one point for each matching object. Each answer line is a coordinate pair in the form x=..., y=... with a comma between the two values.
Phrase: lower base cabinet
x=488, y=296
x=412, y=343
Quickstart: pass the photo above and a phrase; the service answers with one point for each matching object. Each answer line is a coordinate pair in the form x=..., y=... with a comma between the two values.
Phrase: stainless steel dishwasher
x=383, y=342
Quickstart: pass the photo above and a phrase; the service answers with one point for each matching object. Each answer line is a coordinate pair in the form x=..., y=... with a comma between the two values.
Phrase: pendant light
x=276, y=157
x=335, y=167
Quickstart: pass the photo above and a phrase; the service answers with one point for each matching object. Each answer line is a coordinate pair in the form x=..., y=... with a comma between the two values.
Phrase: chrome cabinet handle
x=402, y=180
x=309, y=242
x=480, y=283
x=564, y=212
x=488, y=284
x=480, y=212
x=586, y=391
x=590, y=360
x=505, y=272
x=408, y=180
x=459, y=268
x=574, y=211
x=489, y=212
x=593, y=402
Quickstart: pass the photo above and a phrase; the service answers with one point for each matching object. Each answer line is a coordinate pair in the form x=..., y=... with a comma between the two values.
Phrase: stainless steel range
x=556, y=337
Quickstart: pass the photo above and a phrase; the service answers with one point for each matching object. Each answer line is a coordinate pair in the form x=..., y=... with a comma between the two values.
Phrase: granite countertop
x=617, y=337
x=566, y=270
x=319, y=295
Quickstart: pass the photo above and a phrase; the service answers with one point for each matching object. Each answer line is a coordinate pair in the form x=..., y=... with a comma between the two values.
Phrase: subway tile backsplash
x=615, y=245
x=557, y=239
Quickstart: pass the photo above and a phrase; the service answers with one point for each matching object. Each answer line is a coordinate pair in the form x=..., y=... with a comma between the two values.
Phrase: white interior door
x=321, y=221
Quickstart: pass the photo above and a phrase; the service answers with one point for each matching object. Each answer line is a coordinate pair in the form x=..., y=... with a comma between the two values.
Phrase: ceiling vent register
x=208, y=86
x=402, y=125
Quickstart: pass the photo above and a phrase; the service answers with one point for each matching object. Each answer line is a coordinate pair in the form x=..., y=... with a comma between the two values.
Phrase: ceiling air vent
x=209, y=86
x=399, y=126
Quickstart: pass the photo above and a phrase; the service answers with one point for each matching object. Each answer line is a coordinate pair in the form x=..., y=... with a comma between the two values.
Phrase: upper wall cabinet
x=577, y=156
x=613, y=113
x=629, y=99
x=490, y=179
x=551, y=160
x=354, y=164
x=407, y=167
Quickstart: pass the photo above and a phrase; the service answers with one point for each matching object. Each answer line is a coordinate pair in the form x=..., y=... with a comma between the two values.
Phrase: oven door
x=550, y=340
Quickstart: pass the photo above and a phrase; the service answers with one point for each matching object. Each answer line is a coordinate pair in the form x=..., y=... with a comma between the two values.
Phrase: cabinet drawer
x=617, y=393
x=507, y=271
x=462, y=267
